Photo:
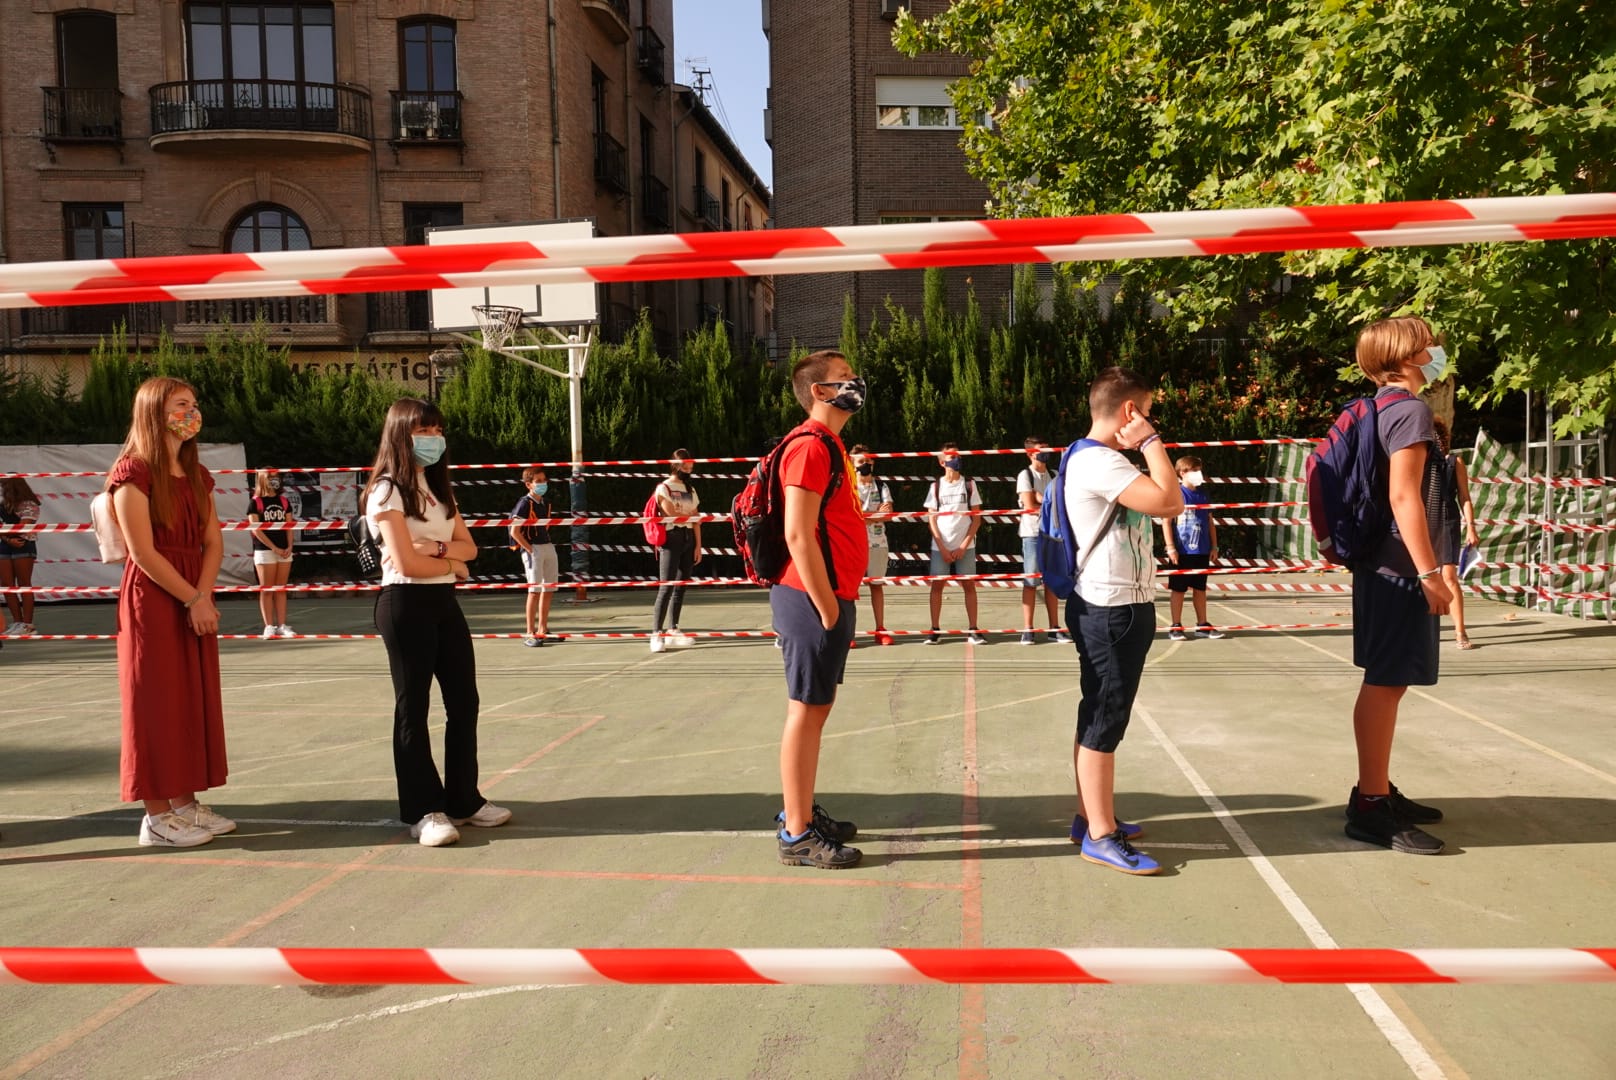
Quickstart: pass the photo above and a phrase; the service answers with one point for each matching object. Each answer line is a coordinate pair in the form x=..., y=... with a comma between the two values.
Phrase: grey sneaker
x=1175, y=633
x=813, y=848
x=840, y=831
x=1062, y=638
x=1026, y=637
x=203, y=817
x=1206, y=630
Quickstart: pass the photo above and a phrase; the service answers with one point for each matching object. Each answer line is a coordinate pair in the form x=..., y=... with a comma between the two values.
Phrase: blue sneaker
x=1080, y=829
x=1115, y=852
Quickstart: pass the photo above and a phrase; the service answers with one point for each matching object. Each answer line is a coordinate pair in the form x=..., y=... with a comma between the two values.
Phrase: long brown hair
x=148, y=442
x=395, y=459
x=14, y=491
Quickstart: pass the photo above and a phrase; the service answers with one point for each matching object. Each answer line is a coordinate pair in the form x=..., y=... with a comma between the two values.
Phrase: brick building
x=862, y=135
x=164, y=127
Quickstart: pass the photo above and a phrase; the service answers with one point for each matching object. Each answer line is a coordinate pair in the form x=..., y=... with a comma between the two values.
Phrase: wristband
x=1153, y=437
x=442, y=547
x=1433, y=572
x=192, y=601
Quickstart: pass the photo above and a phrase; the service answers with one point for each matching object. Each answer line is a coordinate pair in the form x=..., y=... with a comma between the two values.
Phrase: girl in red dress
x=168, y=651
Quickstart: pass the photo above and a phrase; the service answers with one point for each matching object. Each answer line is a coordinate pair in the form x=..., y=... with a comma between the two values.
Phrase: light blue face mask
x=539, y=487
x=427, y=449
x=1437, y=367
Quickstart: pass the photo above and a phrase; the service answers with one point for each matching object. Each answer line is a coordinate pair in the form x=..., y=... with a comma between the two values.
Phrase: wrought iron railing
x=259, y=105
x=427, y=116
x=392, y=312
x=274, y=310
x=654, y=202
x=611, y=163
x=707, y=208
x=83, y=114
x=86, y=319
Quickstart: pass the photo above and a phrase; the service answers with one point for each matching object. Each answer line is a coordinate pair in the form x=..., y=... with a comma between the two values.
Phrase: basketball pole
x=578, y=499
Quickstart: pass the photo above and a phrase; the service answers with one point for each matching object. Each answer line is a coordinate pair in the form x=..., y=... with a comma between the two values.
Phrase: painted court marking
x=1402, y=1040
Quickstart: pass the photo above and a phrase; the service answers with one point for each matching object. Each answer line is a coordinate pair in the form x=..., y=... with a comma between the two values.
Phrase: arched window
x=267, y=227
x=427, y=56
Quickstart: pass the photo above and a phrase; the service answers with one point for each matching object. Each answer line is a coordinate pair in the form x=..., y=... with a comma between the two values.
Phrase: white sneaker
x=435, y=830
x=488, y=816
x=171, y=830
x=23, y=629
x=270, y=632
x=657, y=644
x=285, y=631
x=203, y=817
x=680, y=640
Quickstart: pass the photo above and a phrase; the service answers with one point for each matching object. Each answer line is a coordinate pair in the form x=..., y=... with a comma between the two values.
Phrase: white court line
x=25, y=723
x=1402, y=1040
x=217, y=1056
x=1529, y=743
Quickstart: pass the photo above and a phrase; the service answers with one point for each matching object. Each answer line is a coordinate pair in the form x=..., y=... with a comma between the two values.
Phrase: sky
x=726, y=38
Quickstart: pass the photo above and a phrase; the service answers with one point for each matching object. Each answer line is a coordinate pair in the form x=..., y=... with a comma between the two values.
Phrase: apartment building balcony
x=398, y=318
x=76, y=114
x=654, y=203
x=610, y=16
x=84, y=325
x=651, y=56
x=611, y=163
x=707, y=209
x=301, y=320
x=427, y=118
x=262, y=111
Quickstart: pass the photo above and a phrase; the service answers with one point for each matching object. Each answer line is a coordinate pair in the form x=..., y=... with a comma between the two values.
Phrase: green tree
x=1119, y=106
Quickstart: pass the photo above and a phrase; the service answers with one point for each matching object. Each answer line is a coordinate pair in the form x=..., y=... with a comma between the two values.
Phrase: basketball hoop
x=498, y=324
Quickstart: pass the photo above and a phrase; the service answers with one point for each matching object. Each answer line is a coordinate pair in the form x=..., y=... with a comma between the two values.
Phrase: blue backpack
x=1347, y=501
x=1057, y=545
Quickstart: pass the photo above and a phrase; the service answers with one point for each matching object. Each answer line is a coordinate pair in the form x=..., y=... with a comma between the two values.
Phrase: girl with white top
x=679, y=554
x=425, y=546
x=272, y=550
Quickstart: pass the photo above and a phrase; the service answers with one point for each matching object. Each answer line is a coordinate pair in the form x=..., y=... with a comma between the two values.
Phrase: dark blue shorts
x=1394, y=634
x=1189, y=582
x=1111, y=646
x=815, y=657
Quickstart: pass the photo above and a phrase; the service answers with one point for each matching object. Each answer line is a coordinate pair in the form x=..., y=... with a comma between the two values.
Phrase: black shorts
x=1186, y=561
x=1394, y=634
x=1111, y=646
x=815, y=657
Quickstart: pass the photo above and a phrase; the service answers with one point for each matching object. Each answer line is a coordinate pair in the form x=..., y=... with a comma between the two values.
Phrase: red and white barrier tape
x=775, y=252
x=751, y=966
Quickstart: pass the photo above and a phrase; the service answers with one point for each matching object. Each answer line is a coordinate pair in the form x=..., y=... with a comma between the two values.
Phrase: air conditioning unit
x=890, y=8
x=418, y=119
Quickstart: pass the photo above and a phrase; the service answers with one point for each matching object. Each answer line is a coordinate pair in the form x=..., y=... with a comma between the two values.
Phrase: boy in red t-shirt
x=813, y=605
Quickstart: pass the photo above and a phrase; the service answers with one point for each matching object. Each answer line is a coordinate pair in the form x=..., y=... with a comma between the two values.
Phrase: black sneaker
x=1407, y=808
x=840, y=831
x=933, y=638
x=814, y=848
x=1379, y=823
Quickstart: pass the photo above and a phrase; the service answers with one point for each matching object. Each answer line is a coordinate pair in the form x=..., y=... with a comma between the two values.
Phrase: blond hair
x=1384, y=346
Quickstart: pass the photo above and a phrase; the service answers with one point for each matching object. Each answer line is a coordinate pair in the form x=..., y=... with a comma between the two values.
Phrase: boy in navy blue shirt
x=1192, y=544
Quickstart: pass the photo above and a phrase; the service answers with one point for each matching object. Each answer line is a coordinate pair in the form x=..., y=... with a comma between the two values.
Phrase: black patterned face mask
x=851, y=397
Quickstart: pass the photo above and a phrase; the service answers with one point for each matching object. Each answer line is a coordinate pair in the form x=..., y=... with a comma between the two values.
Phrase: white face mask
x=1437, y=366
x=1194, y=479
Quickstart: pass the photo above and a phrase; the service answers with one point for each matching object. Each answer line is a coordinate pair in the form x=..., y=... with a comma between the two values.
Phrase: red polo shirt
x=806, y=462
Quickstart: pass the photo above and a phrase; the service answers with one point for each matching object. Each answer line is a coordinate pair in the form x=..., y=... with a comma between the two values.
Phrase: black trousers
x=427, y=638
x=676, y=561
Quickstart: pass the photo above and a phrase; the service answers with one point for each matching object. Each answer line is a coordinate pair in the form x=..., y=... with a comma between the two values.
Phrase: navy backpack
x=1058, y=560
x=1347, y=501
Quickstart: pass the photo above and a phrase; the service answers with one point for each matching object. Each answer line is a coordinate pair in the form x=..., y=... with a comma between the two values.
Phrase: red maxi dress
x=173, y=715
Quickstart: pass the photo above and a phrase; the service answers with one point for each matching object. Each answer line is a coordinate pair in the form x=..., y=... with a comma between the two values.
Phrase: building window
x=267, y=227
x=87, y=50
x=427, y=61
x=914, y=104
x=723, y=200
x=597, y=98
x=912, y=219
x=93, y=230
x=247, y=42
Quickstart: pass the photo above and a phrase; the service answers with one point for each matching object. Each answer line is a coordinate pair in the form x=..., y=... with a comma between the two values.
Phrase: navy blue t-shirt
x=1194, y=526
x=527, y=506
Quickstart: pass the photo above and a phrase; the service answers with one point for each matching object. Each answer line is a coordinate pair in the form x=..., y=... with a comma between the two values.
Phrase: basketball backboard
x=545, y=305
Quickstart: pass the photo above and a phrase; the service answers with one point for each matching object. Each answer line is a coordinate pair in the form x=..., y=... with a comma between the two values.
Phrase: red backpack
x=656, y=533
x=758, y=515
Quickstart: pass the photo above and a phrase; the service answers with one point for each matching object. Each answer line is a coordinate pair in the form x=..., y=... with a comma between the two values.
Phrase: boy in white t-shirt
x=1111, y=614
x=953, y=538
x=1030, y=485
x=875, y=497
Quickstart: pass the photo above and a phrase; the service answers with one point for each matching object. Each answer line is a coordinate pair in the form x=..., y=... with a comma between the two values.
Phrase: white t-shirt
x=1034, y=481
x=960, y=494
x=1120, y=570
x=871, y=498
x=684, y=500
x=439, y=525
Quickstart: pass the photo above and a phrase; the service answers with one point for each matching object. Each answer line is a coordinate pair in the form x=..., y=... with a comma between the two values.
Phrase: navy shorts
x=815, y=657
x=1188, y=561
x=1394, y=634
x=1111, y=646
